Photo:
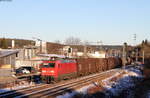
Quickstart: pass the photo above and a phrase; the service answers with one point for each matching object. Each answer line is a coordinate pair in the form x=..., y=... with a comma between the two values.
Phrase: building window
x=16, y=54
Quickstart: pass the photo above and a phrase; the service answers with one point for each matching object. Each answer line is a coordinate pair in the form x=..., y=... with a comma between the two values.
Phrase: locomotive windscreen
x=47, y=65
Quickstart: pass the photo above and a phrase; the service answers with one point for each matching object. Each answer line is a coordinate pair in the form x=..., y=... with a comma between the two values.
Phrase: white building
x=42, y=46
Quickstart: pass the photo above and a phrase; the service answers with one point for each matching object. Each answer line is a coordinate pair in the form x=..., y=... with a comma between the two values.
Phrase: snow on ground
x=127, y=80
x=82, y=90
x=4, y=90
x=148, y=94
x=115, y=84
x=19, y=86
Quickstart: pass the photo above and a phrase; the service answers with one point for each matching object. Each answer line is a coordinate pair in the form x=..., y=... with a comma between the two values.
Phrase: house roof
x=52, y=55
x=4, y=53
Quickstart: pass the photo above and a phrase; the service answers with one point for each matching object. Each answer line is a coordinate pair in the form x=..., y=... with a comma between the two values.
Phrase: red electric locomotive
x=54, y=70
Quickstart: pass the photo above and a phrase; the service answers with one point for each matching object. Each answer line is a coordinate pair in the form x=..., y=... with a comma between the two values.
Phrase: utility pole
x=101, y=44
x=136, y=49
x=143, y=56
x=124, y=54
x=134, y=38
x=136, y=54
x=85, y=50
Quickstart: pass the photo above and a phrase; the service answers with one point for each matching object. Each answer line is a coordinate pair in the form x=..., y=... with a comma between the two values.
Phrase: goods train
x=58, y=69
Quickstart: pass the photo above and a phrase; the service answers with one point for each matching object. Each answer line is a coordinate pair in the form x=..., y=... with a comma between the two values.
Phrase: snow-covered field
x=114, y=85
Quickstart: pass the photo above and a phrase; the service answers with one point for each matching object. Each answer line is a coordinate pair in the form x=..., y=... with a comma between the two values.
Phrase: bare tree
x=86, y=42
x=73, y=41
x=57, y=41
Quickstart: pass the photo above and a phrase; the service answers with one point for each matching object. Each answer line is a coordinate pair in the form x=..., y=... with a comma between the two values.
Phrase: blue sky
x=109, y=21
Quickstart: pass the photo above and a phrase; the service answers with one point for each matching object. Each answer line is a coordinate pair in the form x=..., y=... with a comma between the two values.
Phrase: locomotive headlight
x=43, y=70
x=52, y=71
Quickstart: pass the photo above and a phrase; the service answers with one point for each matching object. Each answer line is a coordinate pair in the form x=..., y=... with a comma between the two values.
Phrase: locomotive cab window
x=49, y=65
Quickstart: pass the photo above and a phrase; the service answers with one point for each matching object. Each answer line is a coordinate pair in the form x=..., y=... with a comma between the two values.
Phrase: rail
x=52, y=90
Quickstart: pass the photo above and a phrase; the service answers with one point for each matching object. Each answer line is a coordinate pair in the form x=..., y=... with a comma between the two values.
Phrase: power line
x=134, y=38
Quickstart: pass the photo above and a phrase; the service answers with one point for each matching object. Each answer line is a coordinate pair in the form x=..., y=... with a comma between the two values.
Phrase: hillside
x=55, y=48
x=19, y=43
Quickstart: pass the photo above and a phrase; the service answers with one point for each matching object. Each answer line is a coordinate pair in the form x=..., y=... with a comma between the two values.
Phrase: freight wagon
x=58, y=69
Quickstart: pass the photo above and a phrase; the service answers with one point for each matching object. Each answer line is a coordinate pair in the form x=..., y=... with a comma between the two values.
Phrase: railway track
x=18, y=91
x=53, y=90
